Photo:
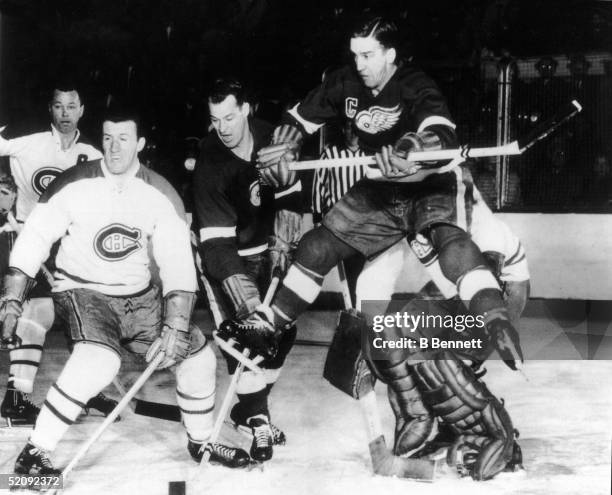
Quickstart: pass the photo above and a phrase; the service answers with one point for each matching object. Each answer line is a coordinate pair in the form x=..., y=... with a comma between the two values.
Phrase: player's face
x=66, y=110
x=374, y=63
x=121, y=145
x=230, y=120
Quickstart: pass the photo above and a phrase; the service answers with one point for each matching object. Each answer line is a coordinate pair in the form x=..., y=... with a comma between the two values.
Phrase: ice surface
x=564, y=414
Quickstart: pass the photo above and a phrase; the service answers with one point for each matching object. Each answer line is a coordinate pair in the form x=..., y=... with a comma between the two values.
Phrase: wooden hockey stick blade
x=387, y=464
x=550, y=125
x=232, y=351
x=167, y=412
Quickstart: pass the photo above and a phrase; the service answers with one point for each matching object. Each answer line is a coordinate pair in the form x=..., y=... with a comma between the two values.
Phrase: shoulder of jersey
x=154, y=179
x=162, y=186
x=88, y=170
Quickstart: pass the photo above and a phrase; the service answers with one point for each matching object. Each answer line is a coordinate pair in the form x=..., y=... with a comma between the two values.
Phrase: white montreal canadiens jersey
x=107, y=233
x=37, y=159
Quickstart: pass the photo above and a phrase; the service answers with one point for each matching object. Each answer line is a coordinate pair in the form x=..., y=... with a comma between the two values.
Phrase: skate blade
x=94, y=413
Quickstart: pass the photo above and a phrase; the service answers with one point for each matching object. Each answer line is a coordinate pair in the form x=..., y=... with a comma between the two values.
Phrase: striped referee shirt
x=330, y=184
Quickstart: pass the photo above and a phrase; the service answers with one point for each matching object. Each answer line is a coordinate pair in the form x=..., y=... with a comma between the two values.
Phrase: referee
x=330, y=184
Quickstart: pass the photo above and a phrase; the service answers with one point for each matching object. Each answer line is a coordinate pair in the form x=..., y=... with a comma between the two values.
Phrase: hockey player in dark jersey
x=103, y=289
x=396, y=109
x=236, y=215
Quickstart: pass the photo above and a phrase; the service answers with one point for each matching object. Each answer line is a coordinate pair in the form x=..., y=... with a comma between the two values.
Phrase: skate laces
x=23, y=400
x=256, y=321
x=262, y=432
x=222, y=450
x=42, y=455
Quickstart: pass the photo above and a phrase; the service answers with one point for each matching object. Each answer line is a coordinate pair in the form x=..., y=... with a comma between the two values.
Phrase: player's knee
x=80, y=379
x=457, y=253
x=250, y=383
x=319, y=250
x=195, y=376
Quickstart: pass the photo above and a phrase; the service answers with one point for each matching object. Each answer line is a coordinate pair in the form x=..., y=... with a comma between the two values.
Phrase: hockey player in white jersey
x=35, y=160
x=108, y=216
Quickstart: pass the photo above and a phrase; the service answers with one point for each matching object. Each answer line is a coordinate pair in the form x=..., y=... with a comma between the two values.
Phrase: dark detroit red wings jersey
x=230, y=201
x=410, y=101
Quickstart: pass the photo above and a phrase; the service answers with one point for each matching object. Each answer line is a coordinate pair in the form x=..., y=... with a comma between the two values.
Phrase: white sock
x=195, y=393
x=32, y=328
x=89, y=369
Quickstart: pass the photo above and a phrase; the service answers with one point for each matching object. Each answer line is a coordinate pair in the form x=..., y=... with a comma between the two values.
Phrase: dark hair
x=65, y=86
x=381, y=29
x=118, y=112
x=225, y=86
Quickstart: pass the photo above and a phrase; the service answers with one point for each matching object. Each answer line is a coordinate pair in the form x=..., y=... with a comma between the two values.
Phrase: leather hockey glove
x=256, y=332
x=15, y=288
x=243, y=293
x=505, y=339
x=273, y=161
x=287, y=235
x=392, y=160
x=175, y=338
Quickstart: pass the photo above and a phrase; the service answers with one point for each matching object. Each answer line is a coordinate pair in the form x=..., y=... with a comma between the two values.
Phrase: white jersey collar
x=56, y=136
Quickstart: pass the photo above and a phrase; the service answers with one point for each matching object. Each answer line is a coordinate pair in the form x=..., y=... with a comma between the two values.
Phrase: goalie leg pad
x=486, y=443
x=414, y=421
x=345, y=367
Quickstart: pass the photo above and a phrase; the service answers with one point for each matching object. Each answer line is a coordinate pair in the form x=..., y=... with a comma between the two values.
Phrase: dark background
x=163, y=54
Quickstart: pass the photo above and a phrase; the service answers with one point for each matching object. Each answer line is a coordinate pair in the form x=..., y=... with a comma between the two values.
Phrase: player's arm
x=287, y=226
x=171, y=244
x=45, y=225
x=13, y=147
x=217, y=221
x=307, y=117
x=435, y=129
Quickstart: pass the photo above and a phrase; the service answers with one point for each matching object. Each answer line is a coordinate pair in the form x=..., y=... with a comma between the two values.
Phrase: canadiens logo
x=350, y=107
x=377, y=119
x=116, y=242
x=43, y=177
x=254, y=194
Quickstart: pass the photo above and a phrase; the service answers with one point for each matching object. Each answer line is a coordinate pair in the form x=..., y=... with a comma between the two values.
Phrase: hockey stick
x=171, y=412
x=111, y=417
x=229, y=346
x=516, y=147
x=384, y=462
x=229, y=394
x=50, y=280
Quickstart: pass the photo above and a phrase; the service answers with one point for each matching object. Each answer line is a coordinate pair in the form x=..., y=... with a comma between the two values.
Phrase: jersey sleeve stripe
x=309, y=127
x=294, y=188
x=213, y=232
x=435, y=120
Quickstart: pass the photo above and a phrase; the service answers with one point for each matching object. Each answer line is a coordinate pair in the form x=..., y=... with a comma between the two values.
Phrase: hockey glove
x=243, y=292
x=287, y=234
x=273, y=161
x=15, y=288
x=505, y=339
x=256, y=332
x=392, y=161
x=175, y=338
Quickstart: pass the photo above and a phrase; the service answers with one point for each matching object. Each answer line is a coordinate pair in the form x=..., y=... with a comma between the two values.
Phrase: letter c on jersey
x=43, y=177
x=116, y=242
